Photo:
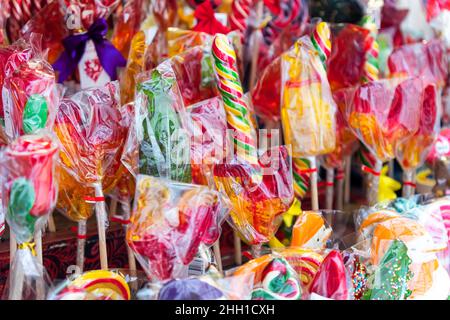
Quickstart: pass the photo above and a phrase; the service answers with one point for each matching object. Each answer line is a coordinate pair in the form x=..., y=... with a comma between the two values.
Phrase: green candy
x=161, y=151
x=21, y=200
x=390, y=280
x=35, y=114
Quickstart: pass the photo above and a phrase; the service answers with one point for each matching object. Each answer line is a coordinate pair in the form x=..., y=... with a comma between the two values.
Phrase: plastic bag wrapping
x=307, y=105
x=29, y=191
x=30, y=95
x=427, y=61
x=180, y=40
x=349, y=44
x=88, y=10
x=207, y=128
x=259, y=196
x=169, y=222
x=411, y=152
x=310, y=230
x=127, y=24
x=383, y=113
x=93, y=285
x=200, y=288
x=49, y=22
x=162, y=142
x=4, y=15
x=274, y=278
x=407, y=243
x=165, y=13
x=90, y=130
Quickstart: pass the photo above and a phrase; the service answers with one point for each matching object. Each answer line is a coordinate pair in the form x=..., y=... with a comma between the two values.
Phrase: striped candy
x=371, y=65
x=366, y=157
x=232, y=94
x=320, y=38
x=240, y=10
x=301, y=170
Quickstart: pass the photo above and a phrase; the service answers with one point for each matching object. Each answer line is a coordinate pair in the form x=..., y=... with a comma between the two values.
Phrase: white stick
x=40, y=292
x=12, y=247
x=217, y=255
x=329, y=189
x=391, y=168
x=408, y=177
x=100, y=213
x=374, y=183
x=51, y=223
x=237, y=249
x=81, y=243
x=347, y=177
x=313, y=179
x=131, y=258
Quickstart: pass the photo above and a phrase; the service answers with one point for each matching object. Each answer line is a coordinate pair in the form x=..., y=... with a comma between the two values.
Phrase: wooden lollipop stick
x=131, y=258
x=12, y=247
x=81, y=244
x=51, y=223
x=329, y=189
x=217, y=255
x=40, y=291
x=237, y=249
x=313, y=179
x=100, y=213
x=347, y=178
x=408, y=183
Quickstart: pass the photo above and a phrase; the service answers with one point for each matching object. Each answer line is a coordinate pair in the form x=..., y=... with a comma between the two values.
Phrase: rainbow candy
x=371, y=66
x=301, y=170
x=236, y=109
x=320, y=38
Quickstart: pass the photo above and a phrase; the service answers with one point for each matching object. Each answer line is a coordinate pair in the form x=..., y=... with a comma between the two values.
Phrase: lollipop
x=31, y=94
x=330, y=281
x=94, y=285
x=412, y=151
x=274, y=278
x=169, y=222
x=90, y=130
x=382, y=114
x=310, y=231
x=235, y=106
x=257, y=203
x=307, y=107
x=29, y=193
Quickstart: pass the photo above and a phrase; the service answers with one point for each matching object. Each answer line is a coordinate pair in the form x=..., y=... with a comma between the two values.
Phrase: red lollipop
x=331, y=278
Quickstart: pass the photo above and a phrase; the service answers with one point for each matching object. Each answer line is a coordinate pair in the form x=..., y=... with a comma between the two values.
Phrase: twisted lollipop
x=240, y=11
x=371, y=64
x=231, y=90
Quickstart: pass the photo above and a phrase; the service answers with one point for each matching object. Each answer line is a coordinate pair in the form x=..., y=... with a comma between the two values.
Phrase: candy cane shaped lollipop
x=240, y=10
x=236, y=109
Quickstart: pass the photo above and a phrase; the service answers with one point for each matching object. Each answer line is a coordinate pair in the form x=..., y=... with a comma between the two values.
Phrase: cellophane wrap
x=169, y=222
x=30, y=94
x=273, y=278
x=383, y=113
x=411, y=152
x=407, y=244
x=93, y=285
x=200, y=288
x=29, y=192
x=259, y=195
x=307, y=105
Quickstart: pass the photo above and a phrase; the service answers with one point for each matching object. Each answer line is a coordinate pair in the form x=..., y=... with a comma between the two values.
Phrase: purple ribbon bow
x=110, y=58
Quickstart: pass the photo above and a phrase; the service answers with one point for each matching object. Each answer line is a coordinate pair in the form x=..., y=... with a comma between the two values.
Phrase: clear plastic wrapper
x=29, y=191
x=163, y=145
x=4, y=14
x=200, y=288
x=169, y=222
x=207, y=129
x=307, y=105
x=30, y=94
x=310, y=231
x=349, y=44
x=407, y=243
x=274, y=278
x=331, y=280
x=259, y=196
x=180, y=40
x=383, y=113
x=88, y=10
x=426, y=60
x=93, y=285
x=411, y=152
x=90, y=129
